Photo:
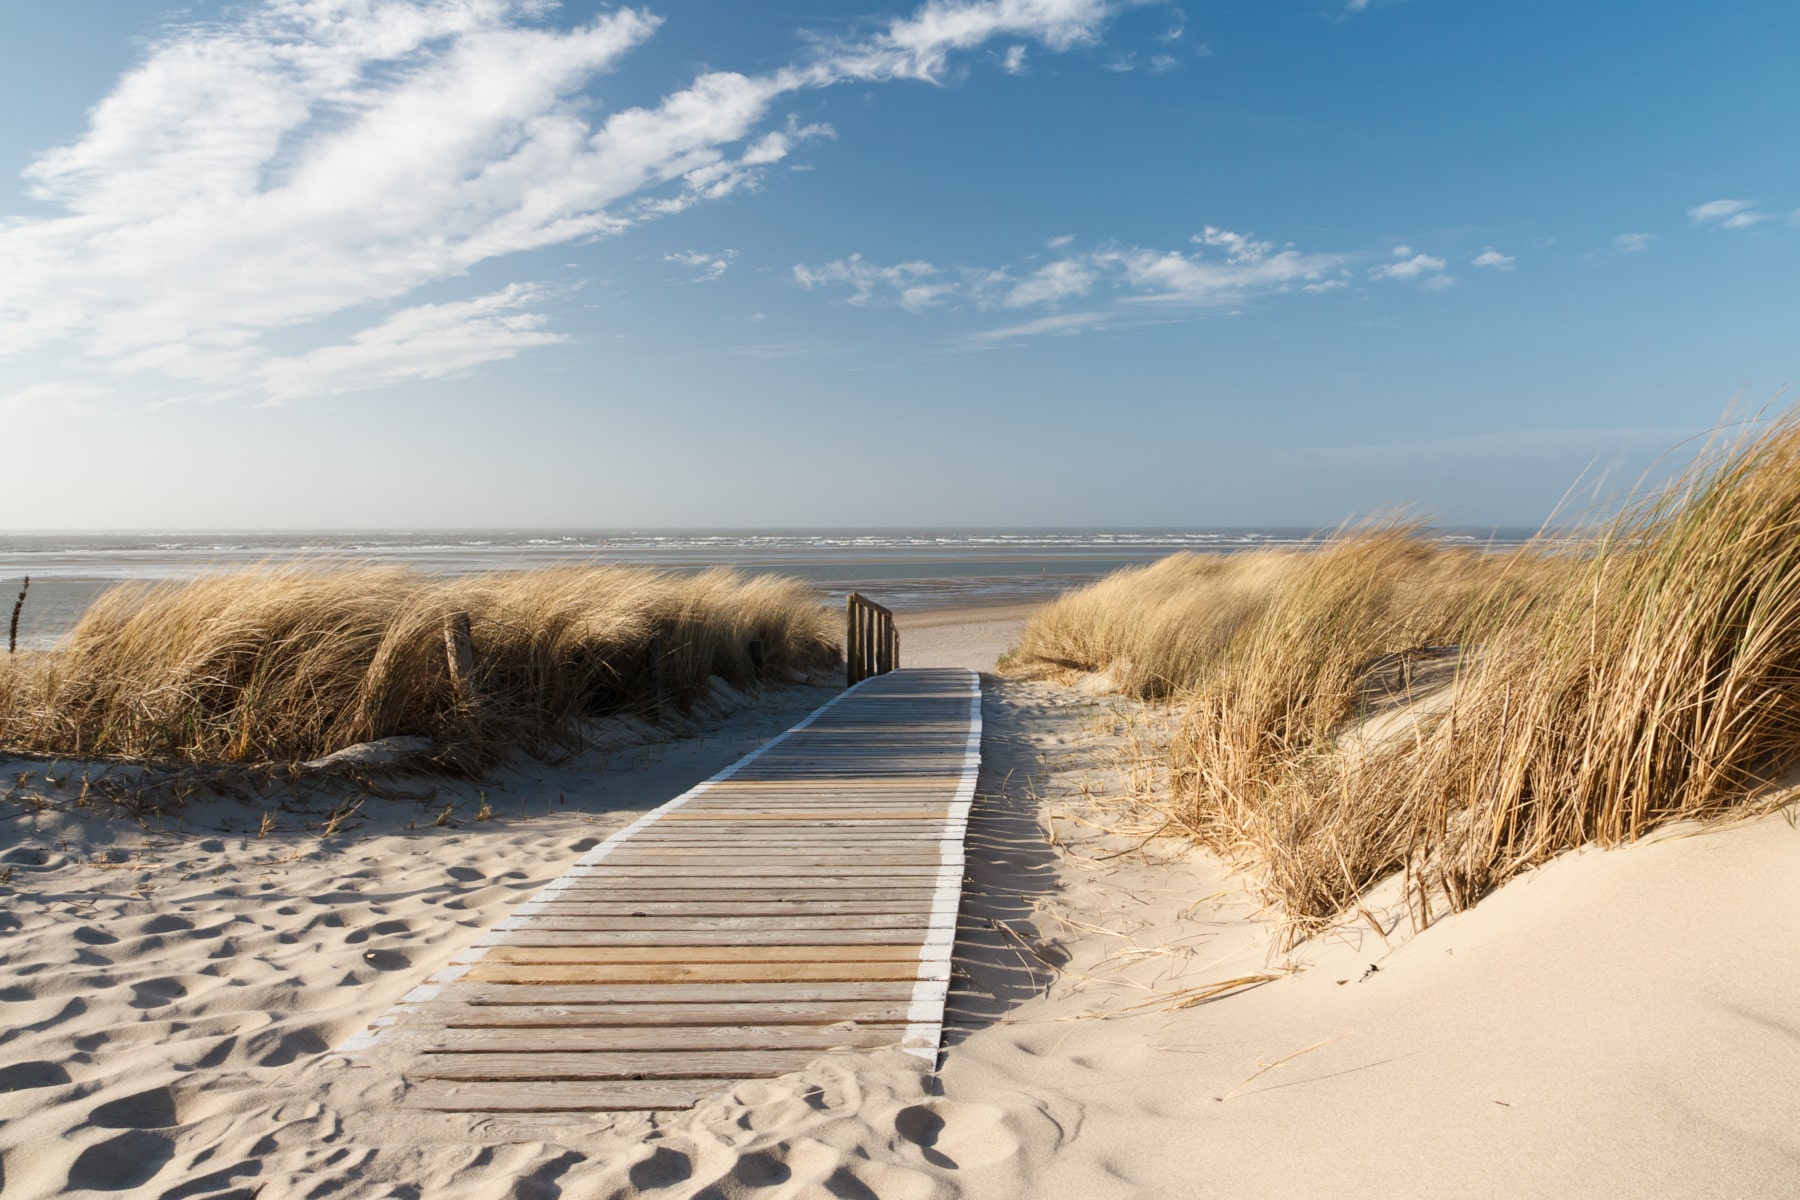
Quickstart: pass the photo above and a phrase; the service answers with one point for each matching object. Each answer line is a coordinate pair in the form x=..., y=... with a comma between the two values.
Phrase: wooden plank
x=777, y=933
x=679, y=994
x=742, y=1012
x=779, y=869
x=656, y=1039
x=839, y=952
x=561, y=1096
x=724, y=926
x=548, y=1067
x=871, y=885
x=726, y=906
x=793, y=972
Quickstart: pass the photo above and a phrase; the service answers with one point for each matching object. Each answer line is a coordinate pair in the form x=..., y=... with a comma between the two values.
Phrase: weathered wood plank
x=549, y=1067
x=743, y=1012
x=794, y=972
x=729, y=906
x=839, y=952
x=477, y=995
x=657, y=1039
x=725, y=926
x=776, y=934
x=566, y=1096
x=875, y=884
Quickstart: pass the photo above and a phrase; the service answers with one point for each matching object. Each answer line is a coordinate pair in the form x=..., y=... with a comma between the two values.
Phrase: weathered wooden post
x=459, y=653
x=850, y=632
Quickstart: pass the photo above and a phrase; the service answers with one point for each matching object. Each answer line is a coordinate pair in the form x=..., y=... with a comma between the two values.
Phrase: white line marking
x=925, y=1016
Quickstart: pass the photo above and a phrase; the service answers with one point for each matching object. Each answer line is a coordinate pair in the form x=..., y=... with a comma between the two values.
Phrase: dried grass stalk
x=283, y=664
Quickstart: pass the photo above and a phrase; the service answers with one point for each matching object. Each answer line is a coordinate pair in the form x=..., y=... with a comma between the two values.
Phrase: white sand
x=964, y=637
x=1618, y=1023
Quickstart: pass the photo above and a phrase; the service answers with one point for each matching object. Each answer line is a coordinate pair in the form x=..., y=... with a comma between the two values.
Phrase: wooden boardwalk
x=802, y=900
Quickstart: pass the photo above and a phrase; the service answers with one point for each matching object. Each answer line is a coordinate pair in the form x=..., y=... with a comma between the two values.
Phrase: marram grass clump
x=288, y=664
x=1598, y=690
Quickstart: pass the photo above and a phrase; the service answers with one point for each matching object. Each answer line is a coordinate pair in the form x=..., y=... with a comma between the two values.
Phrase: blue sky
x=971, y=262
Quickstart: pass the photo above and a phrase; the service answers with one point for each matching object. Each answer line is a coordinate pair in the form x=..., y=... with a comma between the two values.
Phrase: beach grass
x=291, y=663
x=1597, y=691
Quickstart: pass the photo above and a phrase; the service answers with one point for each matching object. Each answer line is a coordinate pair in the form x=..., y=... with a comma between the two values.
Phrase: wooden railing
x=871, y=643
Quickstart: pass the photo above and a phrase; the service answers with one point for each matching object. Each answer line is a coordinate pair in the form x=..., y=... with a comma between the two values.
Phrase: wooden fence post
x=459, y=653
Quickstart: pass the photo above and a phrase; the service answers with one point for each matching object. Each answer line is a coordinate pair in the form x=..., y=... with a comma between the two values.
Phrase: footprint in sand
x=584, y=845
x=154, y=1109
x=129, y=1160
x=154, y=993
x=166, y=923
x=665, y=1167
x=287, y=1046
x=88, y=935
x=956, y=1135
x=386, y=960
x=466, y=874
x=19, y=1076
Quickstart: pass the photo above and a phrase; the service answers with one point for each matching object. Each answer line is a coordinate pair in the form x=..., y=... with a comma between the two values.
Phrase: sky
x=503, y=263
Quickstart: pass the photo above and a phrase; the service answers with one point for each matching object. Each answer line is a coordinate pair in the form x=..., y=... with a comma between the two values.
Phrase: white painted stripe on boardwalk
x=925, y=1015
x=460, y=964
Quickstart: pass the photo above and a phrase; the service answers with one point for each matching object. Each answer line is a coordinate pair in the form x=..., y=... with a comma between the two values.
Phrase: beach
x=1122, y=1019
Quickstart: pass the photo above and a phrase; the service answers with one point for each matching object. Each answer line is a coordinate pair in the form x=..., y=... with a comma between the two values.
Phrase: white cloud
x=428, y=341
x=1013, y=63
x=1048, y=284
x=1633, y=243
x=918, y=46
x=1731, y=214
x=1491, y=257
x=1138, y=276
x=1057, y=243
x=1162, y=62
x=1407, y=265
x=305, y=159
x=706, y=267
x=916, y=285
x=1063, y=324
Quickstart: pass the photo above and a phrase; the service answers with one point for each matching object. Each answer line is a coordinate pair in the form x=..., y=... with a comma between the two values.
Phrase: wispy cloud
x=1064, y=324
x=306, y=159
x=1425, y=268
x=1492, y=258
x=1632, y=243
x=914, y=285
x=1225, y=268
x=1727, y=214
x=428, y=341
x=706, y=267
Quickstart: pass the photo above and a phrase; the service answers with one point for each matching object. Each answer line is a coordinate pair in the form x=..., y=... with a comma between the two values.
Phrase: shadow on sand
x=999, y=960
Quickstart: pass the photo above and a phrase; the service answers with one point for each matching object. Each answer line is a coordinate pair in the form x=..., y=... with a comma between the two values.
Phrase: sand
x=1616, y=1023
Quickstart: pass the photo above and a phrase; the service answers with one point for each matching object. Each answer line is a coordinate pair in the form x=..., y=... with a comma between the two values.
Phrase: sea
x=905, y=569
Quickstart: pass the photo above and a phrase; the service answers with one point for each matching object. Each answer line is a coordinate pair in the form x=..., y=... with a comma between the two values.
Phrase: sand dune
x=1616, y=1023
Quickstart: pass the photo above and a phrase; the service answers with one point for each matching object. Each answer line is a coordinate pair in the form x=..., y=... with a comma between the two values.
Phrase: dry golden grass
x=272, y=665
x=1650, y=676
